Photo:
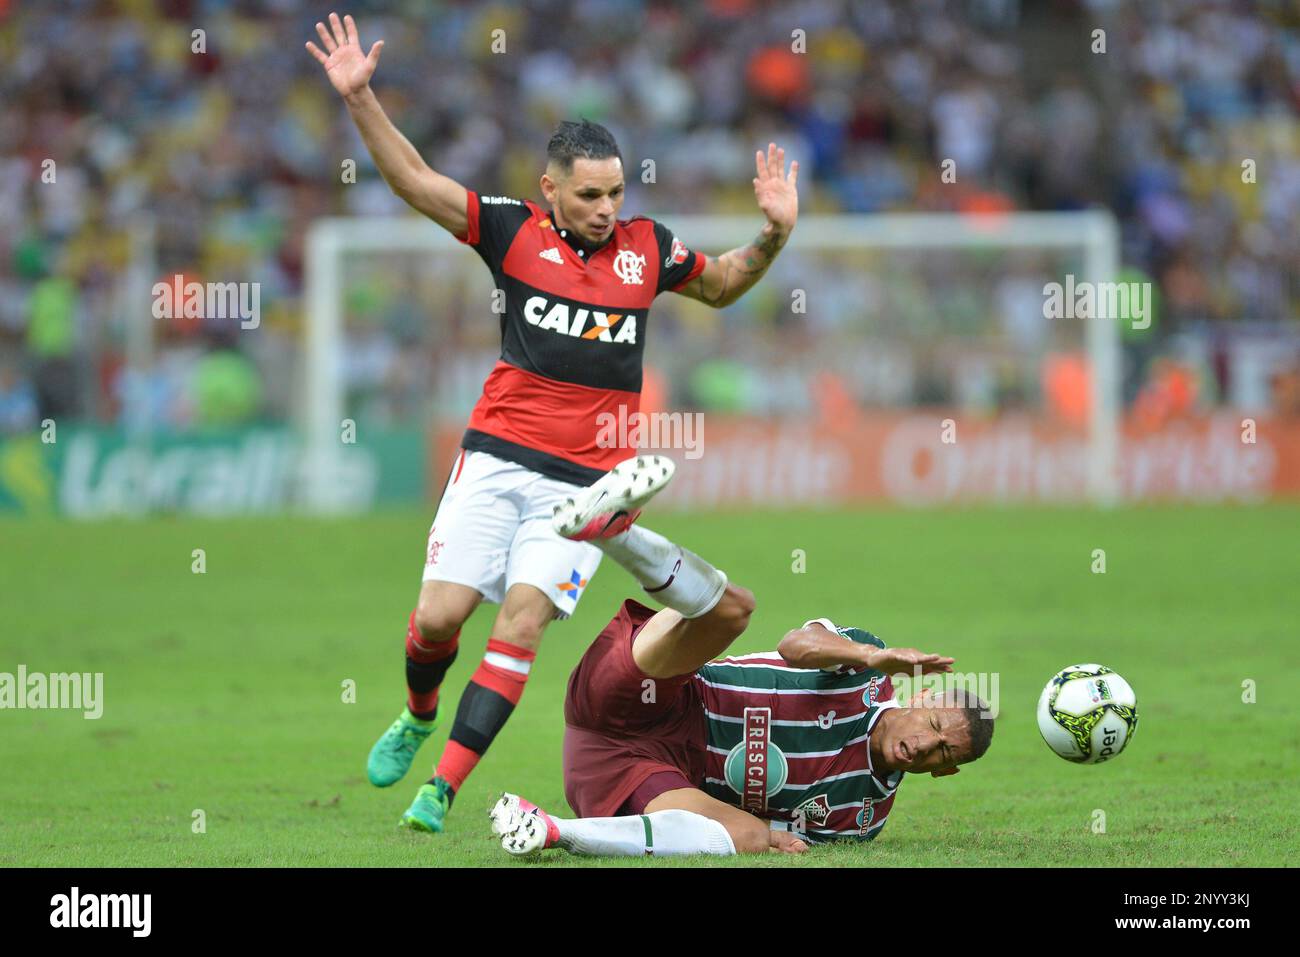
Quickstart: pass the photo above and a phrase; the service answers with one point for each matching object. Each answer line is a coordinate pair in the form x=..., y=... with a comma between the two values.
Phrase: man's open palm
x=898, y=660
x=775, y=191
x=347, y=67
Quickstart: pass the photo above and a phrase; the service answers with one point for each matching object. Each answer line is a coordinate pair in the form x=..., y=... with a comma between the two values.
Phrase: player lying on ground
x=667, y=751
x=578, y=283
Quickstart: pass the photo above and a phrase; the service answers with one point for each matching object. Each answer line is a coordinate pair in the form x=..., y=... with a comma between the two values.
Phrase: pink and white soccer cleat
x=523, y=827
x=610, y=505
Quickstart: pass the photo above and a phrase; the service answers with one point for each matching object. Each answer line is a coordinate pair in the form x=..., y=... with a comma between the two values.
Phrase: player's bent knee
x=745, y=601
x=735, y=608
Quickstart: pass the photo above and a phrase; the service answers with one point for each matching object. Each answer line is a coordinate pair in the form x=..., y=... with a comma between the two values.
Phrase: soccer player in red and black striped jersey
x=577, y=284
x=668, y=751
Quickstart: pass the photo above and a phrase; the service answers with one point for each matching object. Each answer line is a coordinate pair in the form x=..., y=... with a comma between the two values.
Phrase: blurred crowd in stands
x=1179, y=117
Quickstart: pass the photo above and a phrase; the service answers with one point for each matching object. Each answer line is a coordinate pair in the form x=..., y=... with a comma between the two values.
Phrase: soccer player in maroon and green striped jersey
x=670, y=751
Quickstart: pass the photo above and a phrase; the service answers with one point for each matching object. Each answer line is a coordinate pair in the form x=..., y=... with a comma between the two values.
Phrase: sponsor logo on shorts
x=573, y=586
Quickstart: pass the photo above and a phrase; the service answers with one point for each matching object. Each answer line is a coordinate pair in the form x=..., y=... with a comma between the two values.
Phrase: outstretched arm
x=816, y=646
x=727, y=278
x=349, y=70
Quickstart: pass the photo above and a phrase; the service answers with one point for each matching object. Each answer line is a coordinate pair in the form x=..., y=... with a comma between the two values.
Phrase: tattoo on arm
x=741, y=269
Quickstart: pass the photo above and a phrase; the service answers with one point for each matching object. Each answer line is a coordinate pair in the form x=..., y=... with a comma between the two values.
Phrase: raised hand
x=349, y=70
x=775, y=192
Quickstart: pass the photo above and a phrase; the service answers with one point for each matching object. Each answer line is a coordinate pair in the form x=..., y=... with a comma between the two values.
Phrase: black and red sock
x=486, y=705
x=426, y=665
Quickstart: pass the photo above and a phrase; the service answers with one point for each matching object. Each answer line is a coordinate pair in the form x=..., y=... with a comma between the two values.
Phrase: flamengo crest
x=628, y=266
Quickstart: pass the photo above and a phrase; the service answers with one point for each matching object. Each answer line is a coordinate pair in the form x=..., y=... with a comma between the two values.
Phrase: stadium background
x=214, y=680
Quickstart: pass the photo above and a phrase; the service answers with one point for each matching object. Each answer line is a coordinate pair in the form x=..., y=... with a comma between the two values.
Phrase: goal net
x=928, y=318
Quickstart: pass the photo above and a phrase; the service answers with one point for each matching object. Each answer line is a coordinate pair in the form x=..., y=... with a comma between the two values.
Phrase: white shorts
x=493, y=530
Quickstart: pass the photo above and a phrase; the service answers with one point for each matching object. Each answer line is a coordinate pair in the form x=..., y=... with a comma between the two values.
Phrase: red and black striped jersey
x=573, y=333
x=793, y=744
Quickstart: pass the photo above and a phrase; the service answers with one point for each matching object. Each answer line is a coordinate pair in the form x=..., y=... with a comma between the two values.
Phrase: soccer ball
x=1087, y=713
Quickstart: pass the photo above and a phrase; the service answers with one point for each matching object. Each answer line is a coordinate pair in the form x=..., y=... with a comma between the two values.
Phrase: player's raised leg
x=604, y=515
x=671, y=644
x=612, y=503
x=487, y=703
x=704, y=612
x=432, y=640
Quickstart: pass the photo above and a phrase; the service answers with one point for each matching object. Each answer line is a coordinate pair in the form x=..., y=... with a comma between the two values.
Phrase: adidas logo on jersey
x=604, y=326
x=551, y=254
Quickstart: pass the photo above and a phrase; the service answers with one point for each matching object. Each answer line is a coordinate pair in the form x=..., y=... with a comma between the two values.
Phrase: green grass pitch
x=223, y=690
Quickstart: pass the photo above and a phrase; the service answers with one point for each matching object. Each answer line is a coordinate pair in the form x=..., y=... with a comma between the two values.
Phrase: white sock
x=662, y=834
x=674, y=576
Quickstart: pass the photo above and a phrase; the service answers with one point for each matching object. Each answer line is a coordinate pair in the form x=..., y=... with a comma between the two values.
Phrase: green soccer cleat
x=431, y=804
x=393, y=753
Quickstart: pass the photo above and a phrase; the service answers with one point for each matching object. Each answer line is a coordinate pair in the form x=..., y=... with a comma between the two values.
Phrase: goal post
x=1092, y=236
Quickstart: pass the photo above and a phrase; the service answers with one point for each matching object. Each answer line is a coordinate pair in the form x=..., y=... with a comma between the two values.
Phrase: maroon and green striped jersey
x=790, y=744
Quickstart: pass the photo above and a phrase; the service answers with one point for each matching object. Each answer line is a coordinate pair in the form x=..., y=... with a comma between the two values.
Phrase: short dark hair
x=979, y=721
x=981, y=731
x=584, y=139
